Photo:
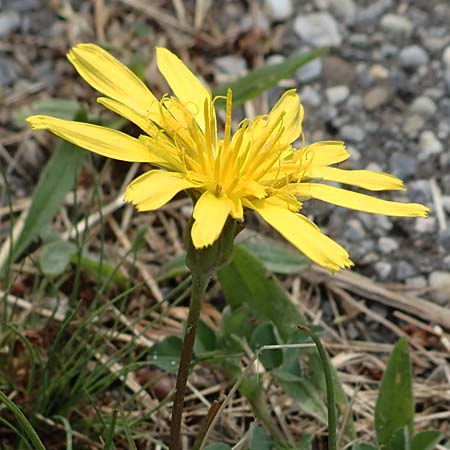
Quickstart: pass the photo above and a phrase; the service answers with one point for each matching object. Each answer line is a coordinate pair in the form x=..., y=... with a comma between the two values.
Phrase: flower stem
x=199, y=283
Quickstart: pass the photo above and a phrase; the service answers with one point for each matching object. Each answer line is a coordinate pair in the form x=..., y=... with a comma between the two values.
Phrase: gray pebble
x=353, y=133
x=376, y=97
x=9, y=22
x=417, y=282
x=261, y=22
x=429, y=145
x=278, y=10
x=444, y=239
x=310, y=96
x=310, y=71
x=344, y=10
x=396, y=25
x=405, y=270
x=318, y=29
x=413, y=56
x=403, y=166
x=383, y=269
x=425, y=225
x=439, y=282
x=231, y=65
x=424, y=106
x=354, y=231
x=387, y=245
x=337, y=94
x=413, y=125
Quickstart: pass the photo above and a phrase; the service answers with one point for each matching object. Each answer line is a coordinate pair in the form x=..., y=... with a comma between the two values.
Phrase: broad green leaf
x=401, y=439
x=276, y=257
x=266, y=77
x=364, y=447
x=259, y=439
x=246, y=281
x=395, y=404
x=426, y=440
x=166, y=354
x=205, y=339
x=55, y=181
x=266, y=334
x=55, y=257
x=58, y=107
x=174, y=267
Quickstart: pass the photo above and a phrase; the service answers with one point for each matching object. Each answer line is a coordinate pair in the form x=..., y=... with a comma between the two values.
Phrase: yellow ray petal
x=289, y=105
x=183, y=83
x=130, y=114
x=305, y=235
x=324, y=153
x=154, y=189
x=210, y=214
x=360, y=202
x=109, y=76
x=366, y=179
x=101, y=140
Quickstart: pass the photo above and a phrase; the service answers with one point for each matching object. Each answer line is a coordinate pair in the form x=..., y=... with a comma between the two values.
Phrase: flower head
x=255, y=168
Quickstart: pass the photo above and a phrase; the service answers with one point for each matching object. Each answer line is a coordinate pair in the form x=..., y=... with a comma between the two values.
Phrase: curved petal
x=324, y=153
x=366, y=179
x=109, y=76
x=97, y=139
x=183, y=83
x=154, y=189
x=292, y=110
x=360, y=202
x=210, y=214
x=305, y=235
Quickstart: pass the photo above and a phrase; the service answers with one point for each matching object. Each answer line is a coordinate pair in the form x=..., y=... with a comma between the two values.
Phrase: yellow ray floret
x=256, y=168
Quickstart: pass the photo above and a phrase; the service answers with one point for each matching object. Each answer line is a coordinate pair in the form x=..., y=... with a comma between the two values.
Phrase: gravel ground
x=384, y=89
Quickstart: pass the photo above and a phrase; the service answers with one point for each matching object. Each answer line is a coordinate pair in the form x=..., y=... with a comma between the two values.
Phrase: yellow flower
x=256, y=168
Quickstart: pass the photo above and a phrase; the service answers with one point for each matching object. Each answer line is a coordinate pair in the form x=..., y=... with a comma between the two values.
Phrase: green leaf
x=426, y=440
x=259, y=439
x=55, y=257
x=58, y=107
x=395, y=404
x=401, y=439
x=266, y=334
x=266, y=77
x=166, y=354
x=174, y=267
x=56, y=180
x=246, y=281
x=276, y=257
x=205, y=339
x=364, y=447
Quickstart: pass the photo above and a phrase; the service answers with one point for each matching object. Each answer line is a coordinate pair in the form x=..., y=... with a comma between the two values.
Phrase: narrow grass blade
x=23, y=421
x=265, y=77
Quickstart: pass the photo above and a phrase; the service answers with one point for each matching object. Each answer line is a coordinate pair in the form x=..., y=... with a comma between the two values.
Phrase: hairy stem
x=199, y=283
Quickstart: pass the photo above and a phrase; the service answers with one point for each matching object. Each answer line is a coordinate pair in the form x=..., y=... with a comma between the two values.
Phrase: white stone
x=337, y=94
x=278, y=10
x=344, y=9
x=424, y=106
x=429, y=145
x=397, y=25
x=318, y=29
x=440, y=284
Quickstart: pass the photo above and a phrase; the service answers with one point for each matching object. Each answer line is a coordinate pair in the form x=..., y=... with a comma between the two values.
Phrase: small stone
x=278, y=10
x=337, y=94
x=9, y=22
x=425, y=225
x=413, y=125
x=446, y=56
x=405, y=270
x=354, y=231
x=383, y=269
x=344, y=10
x=378, y=72
x=440, y=284
x=353, y=133
x=403, y=166
x=417, y=282
x=231, y=65
x=310, y=96
x=338, y=71
x=376, y=97
x=396, y=25
x=444, y=239
x=429, y=145
x=413, y=56
x=387, y=245
x=310, y=71
x=247, y=23
x=424, y=106
x=318, y=29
